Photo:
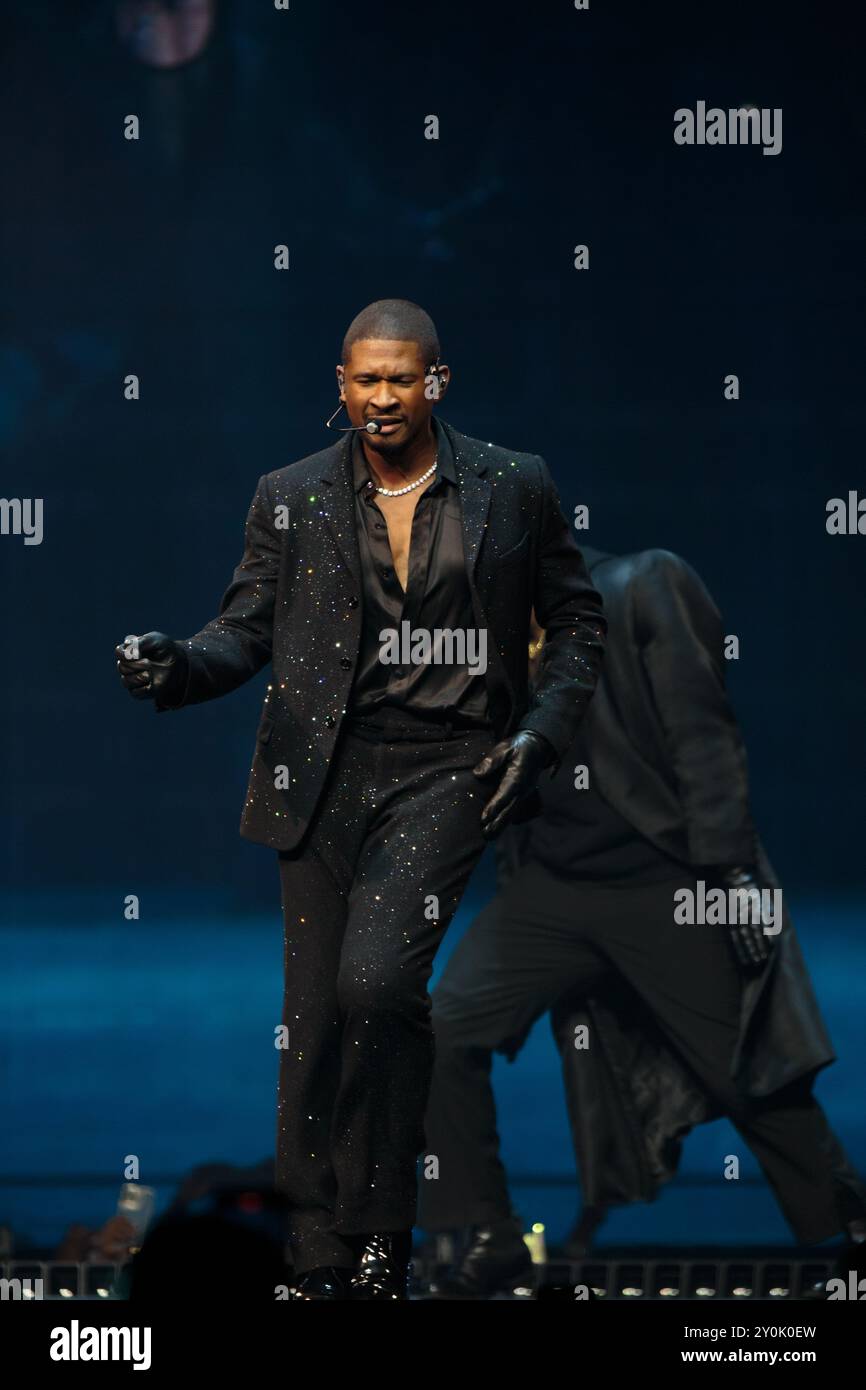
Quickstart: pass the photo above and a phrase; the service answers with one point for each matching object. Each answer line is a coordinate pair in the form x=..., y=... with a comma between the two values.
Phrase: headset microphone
x=371, y=427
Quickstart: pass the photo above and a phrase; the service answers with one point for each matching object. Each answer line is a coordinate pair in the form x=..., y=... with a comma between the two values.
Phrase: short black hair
x=399, y=319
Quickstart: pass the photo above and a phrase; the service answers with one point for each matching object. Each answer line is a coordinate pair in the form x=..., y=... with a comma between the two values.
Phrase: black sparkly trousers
x=367, y=897
x=544, y=937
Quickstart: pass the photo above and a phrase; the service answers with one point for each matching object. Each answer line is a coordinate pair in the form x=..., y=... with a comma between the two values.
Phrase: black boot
x=496, y=1260
x=323, y=1282
x=383, y=1269
x=851, y=1258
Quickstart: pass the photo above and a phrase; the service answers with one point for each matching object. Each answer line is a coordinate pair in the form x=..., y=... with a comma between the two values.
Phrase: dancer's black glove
x=152, y=667
x=523, y=757
x=751, y=945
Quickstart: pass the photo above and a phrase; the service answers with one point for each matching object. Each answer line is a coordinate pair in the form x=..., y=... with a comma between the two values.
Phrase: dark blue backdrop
x=155, y=257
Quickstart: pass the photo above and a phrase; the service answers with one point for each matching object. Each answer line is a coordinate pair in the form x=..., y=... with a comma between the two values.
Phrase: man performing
x=661, y=1024
x=389, y=579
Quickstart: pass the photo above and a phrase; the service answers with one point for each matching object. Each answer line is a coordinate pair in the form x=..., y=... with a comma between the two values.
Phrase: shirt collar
x=445, y=466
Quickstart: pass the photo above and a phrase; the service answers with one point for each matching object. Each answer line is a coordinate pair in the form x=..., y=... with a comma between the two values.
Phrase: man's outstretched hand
x=520, y=760
x=151, y=666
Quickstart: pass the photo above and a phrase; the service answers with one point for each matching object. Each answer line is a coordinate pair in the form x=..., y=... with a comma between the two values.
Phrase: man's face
x=384, y=377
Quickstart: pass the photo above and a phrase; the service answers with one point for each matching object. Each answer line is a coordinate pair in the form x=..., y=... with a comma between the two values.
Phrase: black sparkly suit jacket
x=295, y=600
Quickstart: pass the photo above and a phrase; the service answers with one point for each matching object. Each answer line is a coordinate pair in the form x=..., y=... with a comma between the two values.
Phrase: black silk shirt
x=437, y=597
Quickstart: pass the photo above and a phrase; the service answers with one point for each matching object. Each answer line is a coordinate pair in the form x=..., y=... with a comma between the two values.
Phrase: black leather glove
x=519, y=760
x=152, y=667
x=750, y=943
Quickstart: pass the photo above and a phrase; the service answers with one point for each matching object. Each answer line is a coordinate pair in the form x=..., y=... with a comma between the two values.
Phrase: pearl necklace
x=398, y=491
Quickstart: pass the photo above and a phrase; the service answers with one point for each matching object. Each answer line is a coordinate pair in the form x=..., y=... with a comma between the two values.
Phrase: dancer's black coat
x=295, y=600
x=667, y=754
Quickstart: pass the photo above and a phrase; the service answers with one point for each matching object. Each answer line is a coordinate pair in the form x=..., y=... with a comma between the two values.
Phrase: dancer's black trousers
x=543, y=938
x=366, y=900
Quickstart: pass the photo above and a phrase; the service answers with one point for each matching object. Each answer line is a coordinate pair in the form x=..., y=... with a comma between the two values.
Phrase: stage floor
x=154, y=1038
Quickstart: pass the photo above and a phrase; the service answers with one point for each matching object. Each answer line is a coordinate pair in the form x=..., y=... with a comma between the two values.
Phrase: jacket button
x=353, y=602
x=330, y=721
x=346, y=663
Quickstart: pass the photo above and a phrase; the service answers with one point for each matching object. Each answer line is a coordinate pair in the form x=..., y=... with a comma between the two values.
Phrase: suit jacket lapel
x=338, y=504
x=476, y=491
